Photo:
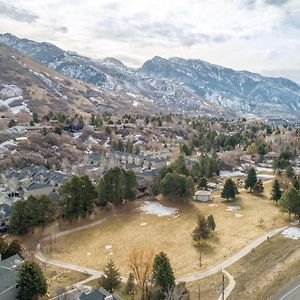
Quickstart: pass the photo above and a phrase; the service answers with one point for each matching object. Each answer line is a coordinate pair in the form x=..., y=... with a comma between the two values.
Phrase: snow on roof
x=203, y=193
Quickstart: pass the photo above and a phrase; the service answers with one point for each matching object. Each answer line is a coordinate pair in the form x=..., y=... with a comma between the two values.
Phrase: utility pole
x=200, y=258
x=223, y=287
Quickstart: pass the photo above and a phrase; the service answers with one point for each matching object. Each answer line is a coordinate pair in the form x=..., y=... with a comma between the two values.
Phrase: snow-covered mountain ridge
x=187, y=85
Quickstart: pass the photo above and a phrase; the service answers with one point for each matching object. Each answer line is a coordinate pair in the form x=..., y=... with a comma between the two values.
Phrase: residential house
x=154, y=163
x=99, y=294
x=8, y=276
x=38, y=189
x=33, y=180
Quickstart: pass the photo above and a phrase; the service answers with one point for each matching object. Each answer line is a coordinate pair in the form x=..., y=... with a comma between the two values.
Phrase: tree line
x=176, y=182
x=78, y=198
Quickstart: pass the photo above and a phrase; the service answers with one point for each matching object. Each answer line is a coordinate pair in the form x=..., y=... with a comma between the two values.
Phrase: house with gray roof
x=8, y=277
x=38, y=189
x=99, y=294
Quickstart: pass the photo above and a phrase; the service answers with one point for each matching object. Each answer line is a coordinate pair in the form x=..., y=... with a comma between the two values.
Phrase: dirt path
x=95, y=274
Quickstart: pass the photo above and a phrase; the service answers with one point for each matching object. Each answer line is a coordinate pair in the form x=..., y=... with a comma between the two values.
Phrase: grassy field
x=267, y=269
x=124, y=233
x=58, y=279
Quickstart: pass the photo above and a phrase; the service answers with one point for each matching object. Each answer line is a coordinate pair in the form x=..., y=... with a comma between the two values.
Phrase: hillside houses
x=21, y=184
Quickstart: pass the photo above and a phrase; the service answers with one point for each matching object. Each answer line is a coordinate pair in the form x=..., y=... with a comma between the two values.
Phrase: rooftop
x=8, y=272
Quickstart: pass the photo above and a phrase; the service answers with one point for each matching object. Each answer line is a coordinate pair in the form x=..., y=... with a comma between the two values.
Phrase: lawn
x=117, y=237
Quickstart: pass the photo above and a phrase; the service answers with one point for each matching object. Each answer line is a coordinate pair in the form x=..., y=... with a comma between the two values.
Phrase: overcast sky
x=256, y=35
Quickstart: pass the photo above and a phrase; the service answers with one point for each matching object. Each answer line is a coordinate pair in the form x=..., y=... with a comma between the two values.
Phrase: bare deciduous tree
x=141, y=262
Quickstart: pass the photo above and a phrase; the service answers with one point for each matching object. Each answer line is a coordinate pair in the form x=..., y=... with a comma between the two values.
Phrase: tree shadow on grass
x=207, y=247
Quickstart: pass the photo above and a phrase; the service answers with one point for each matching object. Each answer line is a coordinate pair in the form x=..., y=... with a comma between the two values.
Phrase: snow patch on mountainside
x=11, y=96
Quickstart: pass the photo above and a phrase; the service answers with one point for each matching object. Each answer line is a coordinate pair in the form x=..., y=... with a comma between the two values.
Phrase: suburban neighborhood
x=150, y=150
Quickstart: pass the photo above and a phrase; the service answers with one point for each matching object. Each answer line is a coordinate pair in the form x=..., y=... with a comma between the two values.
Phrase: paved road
x=95, y=274
x=290, y=292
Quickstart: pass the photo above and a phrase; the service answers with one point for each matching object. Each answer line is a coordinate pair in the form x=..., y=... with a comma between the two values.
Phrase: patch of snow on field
x=264, y=169
x=265, y=176
x=135, y=103
x=292, y=233
x=144, y=224
x=238, y=215
x=224, y=173
x=155, y=208
x=233, y=208
x=107, y=247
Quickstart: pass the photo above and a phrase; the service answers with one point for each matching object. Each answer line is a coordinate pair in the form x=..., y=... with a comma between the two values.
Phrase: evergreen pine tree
x=111, y=278
x=229, y=190
x=130, y=185
x=211, y=222
x=290, y=201
x=251, y=179
x=276, y=191
x=296, y=184
x=163, y=275
x=202, y=183
x=129, y=289
x=31, y=280
x=290, y=172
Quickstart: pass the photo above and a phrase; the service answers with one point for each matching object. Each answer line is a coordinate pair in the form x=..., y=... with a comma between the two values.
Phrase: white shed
x=203, y=196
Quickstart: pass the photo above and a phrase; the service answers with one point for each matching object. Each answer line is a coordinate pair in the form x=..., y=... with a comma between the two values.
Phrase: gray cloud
x=17, y=14
x=251, y=4
x=61, y=29
x=133, y=29
x=276, y=2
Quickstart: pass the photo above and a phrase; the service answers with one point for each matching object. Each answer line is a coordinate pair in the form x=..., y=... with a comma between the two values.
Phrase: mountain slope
x=25, y=85
x=192, y=86
x=237, y=90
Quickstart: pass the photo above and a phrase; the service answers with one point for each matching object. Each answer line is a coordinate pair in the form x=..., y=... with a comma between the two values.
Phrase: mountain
x=27, y=86
x=177, y=84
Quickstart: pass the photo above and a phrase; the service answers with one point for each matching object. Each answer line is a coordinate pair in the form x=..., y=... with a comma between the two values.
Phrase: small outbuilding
x=203, y=196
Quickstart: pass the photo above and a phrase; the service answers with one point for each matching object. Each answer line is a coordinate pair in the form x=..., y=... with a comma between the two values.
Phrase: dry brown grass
x=209, y=287
x=267, y=269
x=59, y=279
x=171, y=235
